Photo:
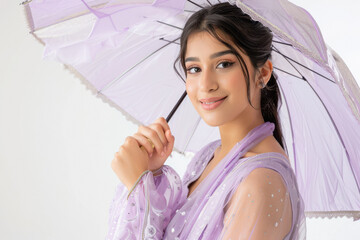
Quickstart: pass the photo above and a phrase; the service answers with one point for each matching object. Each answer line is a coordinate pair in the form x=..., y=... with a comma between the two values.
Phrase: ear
x=264, y=73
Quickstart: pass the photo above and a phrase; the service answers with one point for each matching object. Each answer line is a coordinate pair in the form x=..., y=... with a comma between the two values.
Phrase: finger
x=171, y=140
x=129, y=140
x=160, y=131
x=153, y=136
x=128, y=146
x=144, y=142
x=163, y=123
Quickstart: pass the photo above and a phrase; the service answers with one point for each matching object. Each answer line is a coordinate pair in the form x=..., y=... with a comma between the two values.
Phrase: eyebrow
x=214, y=55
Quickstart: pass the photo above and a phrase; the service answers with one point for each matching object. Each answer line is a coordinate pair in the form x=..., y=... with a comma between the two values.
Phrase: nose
x=208, y=81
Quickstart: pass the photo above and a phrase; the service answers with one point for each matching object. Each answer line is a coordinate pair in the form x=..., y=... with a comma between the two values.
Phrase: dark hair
x=250, y=36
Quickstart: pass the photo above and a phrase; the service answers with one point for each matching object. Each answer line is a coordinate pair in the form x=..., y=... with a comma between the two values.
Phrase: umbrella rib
x=163, y=39
x=337, y=131
x=193, y=131
x=320, y=101
x=276, y=50
x=302, y=78
x=327, y=111
x=195, y=4
x=169, y=25
x=288, y=44
x=290, y=59
x=209, y=2
x=291, y=126
x=116, y=79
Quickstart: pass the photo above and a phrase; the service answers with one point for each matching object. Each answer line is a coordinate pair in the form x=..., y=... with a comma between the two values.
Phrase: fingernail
x=150, y=154
x=162, y=153
x=165, y=149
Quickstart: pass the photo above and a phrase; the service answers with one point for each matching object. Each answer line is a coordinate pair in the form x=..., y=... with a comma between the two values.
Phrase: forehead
x=203, y=42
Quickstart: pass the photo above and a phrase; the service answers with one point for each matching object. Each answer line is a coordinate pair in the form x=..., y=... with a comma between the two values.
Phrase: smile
x=212, y=105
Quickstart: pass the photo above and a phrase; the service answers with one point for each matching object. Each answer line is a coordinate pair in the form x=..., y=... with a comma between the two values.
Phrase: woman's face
x=214, y=72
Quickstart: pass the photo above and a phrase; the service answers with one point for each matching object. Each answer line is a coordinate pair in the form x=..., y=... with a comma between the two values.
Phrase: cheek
x=190, y=90
x=237, y=85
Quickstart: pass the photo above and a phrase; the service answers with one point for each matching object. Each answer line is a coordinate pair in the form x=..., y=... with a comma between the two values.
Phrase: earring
x=262, y=83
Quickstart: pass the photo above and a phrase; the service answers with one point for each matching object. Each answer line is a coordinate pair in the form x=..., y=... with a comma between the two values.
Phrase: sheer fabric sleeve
x=147, y=210
x=260, y=208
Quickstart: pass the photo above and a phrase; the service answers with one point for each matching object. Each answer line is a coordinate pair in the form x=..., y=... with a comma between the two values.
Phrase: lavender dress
x=222, y=206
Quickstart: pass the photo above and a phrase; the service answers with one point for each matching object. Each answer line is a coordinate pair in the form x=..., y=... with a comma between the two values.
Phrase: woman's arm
x=148, y=209
x=260, y=208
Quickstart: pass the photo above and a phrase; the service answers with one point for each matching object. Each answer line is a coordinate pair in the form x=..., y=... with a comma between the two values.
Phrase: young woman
x=238, y=187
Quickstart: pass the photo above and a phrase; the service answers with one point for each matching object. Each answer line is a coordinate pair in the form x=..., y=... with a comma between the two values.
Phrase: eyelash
x=229, y=64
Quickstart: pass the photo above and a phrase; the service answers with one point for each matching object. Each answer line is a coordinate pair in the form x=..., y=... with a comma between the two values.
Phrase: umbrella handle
x=176, y=106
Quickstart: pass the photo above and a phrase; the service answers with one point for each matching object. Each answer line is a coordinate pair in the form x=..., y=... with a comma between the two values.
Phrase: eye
x=193, y=70
x=225, y=64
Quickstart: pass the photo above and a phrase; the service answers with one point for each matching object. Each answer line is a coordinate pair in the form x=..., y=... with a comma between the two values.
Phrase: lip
x=213, y=105
x=206, y=100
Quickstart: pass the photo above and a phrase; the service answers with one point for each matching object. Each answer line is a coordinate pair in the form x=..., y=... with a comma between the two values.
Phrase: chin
x=213, y=122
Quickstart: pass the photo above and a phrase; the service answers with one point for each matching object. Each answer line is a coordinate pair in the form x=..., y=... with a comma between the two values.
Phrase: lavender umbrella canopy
x=123, y=51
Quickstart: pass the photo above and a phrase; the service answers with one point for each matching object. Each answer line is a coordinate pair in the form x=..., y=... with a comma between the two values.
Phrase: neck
x=234, y=131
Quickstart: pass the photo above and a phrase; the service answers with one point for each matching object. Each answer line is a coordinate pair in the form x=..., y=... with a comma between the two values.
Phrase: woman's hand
x=160, y=135
x=130, y=162
x=132, y=159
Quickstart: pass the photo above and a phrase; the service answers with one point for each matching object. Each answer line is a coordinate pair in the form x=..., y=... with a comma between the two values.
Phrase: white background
x=57, y=139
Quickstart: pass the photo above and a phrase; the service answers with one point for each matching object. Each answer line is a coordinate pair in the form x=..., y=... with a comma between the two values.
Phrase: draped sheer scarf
x=201, y=216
